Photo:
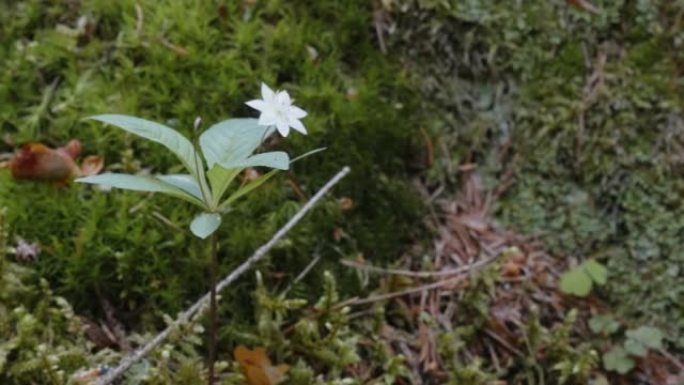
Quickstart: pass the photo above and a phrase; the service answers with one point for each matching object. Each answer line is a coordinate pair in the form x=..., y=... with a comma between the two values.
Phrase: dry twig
x=418, y=274
x=419, y=289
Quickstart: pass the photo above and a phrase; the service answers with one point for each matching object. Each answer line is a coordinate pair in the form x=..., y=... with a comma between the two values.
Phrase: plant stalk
x=213, y=322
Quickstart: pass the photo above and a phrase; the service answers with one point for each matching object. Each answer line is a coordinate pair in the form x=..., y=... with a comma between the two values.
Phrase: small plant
x=213, y=160
x=638, y=342
x=580, y=280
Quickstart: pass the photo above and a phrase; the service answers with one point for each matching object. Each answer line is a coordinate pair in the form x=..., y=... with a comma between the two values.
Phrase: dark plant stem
x=213, y=271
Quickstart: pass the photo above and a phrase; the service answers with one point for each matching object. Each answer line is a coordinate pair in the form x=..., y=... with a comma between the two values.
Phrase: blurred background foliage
x=582, y=108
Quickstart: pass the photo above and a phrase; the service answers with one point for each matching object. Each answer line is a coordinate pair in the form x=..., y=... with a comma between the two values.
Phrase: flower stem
x=213, y=267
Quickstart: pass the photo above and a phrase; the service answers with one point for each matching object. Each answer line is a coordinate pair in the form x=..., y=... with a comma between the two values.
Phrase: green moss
x=173, y=61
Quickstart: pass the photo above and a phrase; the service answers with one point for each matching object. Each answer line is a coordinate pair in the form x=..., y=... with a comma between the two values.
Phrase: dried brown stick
x=672, y=359
x=193, y=310
x=382, y=297
x=504, y=343
x=418, y=274
x=401, y=293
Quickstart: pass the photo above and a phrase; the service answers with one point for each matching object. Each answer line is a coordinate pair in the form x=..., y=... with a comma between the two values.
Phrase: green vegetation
x=170, y=63
x=586, y=111
x=581, y=279
x=581, y=111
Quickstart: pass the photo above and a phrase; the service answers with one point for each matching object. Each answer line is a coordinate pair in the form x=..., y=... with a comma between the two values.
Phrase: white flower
x=26, y=251
x=277, y=110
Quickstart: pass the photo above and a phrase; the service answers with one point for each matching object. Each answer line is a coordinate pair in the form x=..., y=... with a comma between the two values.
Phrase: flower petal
x=297, y=125
x=266, y=93
x=267, y=118
x=283, y=99
x=296, y=112
x=283, y=128
x=257, y=104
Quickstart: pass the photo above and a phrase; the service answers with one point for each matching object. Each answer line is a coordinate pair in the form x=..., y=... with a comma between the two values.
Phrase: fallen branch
x=184, y=317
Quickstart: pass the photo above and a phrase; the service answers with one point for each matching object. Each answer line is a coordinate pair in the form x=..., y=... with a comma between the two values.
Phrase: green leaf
x=275, y=159
x=576, y=282
x=232, y=141
x=635, y=348
x=184, y=182
x=309, y=153
x=220, y=179
x=140, y=183
x=650, y=337
x=205, y=224
x=156, y=132
x=603, y=324
x=597, y=272
x=599, y=379
x=247, y=188
x=617, y=360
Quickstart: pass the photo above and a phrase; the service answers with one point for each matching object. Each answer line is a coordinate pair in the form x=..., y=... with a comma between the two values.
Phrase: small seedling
x=618, y=360
x=603, y=324
x=637, y=343
x=580, y=280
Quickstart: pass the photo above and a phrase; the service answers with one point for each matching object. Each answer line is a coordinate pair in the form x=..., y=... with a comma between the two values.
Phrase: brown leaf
x=250, y=174
x=258, y=368
x=36, y=161
x=346, y=203
x=91, y=165
x=71, y=149
x=338, y=234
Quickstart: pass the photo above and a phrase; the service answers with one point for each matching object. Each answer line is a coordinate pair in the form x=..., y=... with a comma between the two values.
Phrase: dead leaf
x=89, y=376
x=346, y=203
x=71, y=149
x=258, y=368
x=36, y=161
x=511, y=269
x=251, y=174
x=91, y=165
x=338, y=234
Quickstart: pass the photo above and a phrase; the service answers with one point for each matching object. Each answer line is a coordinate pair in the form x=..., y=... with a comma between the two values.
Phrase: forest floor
x=513, y=214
